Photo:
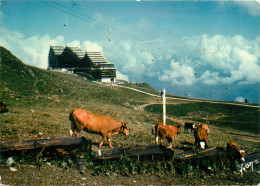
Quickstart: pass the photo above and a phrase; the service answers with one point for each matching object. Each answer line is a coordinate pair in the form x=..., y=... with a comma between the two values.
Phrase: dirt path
x=141, y=107
x=246, y=137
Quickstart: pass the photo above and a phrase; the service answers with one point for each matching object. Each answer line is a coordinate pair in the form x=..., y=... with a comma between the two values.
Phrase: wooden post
x=164, y=108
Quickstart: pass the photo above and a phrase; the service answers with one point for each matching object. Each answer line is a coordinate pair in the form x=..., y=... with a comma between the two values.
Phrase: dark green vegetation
x=39, y=102
x=233, y=116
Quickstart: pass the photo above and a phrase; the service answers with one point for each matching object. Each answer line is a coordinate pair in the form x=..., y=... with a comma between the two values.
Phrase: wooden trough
x=136, y=151
x=65, y=145
x=70, y=146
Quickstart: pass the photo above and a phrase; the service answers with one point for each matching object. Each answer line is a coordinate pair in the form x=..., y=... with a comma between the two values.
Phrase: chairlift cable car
x=66, y=20
x=196, y=70
x=152, y=55
x=227, y=87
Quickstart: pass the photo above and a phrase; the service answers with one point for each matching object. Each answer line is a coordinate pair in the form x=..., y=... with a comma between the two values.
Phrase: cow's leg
x=170, y=146
x=171, y=142
x=163, y=138
x=157, y=139
x=109, y=134
x=102, y=142
x=73, y=131
x=206, y=145
x=196, y=144
x=100, y=145
x=104, y=138
x=110, y=144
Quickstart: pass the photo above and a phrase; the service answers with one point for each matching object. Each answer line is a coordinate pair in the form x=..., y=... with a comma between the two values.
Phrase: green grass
x=39, y=101
x=234, y=116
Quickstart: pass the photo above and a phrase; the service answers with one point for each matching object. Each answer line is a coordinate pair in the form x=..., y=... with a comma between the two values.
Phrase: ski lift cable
x=115, y=30
x=105, y=26
x=85, y=18
x=71, y=13
x=102, y=25
x=98, y=23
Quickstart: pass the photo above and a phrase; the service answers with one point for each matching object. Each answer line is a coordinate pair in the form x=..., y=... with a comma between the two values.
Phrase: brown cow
x=96, y=123
x=3, y=108
x=233, y=148
x=166, y=131
x=201, y=135
x=205, y=126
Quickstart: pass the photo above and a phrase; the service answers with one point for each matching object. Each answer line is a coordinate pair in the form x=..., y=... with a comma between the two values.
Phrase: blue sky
x=202, y=49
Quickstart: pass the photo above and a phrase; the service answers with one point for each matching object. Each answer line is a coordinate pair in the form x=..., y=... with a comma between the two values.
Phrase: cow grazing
x=166, y=131
x=3, y=107
x=201, y=135
x=189, y=125
x=236, y=152
x=97, y=124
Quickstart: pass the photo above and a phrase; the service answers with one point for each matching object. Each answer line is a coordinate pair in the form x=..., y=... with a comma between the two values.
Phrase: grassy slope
x=232, y=116
x=51, y=95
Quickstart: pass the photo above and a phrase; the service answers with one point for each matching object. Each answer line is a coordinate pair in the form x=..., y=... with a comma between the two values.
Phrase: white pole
x=164, y=108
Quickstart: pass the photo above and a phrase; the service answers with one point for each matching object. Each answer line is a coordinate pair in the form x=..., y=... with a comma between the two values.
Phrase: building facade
x=92, y=65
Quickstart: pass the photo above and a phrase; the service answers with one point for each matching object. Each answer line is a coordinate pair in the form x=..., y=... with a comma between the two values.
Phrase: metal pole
x=164, y=108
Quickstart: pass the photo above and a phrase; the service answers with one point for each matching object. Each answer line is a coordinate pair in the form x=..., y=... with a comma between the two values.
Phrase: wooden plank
x=136, y=151
x=253, y=157
x=192, y=153
x=39, y=143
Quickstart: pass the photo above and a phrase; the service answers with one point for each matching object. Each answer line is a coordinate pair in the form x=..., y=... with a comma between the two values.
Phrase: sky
x=199, y=49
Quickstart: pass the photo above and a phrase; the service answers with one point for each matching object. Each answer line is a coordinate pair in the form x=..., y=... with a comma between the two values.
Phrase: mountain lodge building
x=91, y=65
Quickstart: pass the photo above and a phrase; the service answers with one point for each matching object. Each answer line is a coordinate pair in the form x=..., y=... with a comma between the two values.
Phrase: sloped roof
x=96, y=57
x=76, y=50
x=57, y=49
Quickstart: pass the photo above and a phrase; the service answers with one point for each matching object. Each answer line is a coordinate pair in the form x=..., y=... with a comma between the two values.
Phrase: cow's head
x=124, y=128
x=242, y=153
x=179, y=129
x=193, y=125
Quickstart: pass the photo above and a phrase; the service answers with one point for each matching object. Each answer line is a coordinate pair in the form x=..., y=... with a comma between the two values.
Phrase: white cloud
x=210, y=78
x=119, y=75
x=92, y=46
x=253, y=6
x=225, y=59
x=134, y=60
x=75, y=43
x=179, y=74
x=32, y=50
